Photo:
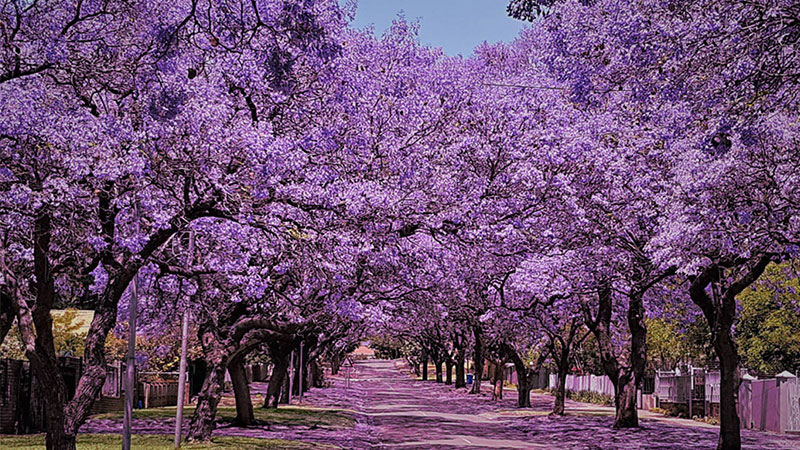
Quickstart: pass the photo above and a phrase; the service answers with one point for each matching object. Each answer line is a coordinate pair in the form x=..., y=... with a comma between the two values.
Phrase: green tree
x=69, y=336
x=69, y=332
x=768, y=329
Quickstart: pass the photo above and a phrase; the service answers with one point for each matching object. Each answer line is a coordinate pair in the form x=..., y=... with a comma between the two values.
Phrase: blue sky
x=455, y=25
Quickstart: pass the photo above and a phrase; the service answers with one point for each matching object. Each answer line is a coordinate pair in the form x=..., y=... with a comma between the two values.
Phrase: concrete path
x=399, y=412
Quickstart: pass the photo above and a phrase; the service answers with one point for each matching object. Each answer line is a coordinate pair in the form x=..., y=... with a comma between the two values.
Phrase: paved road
x=399, y=412
x=410, y=414
x=395, y=411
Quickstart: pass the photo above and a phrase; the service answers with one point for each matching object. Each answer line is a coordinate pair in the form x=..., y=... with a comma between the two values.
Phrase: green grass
x=285, y=415
x=157, y=442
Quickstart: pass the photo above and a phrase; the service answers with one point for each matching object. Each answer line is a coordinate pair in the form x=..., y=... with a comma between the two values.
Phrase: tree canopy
x=616, y=162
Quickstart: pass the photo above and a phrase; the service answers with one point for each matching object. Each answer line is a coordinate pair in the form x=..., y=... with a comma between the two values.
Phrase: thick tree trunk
x=622, y=377
x=561, y=392
x=276, y=380
x=202, y=424
x=625, y=402
x=336, y=363
x=523, y=390
x=425, y=367
x=720, y=312
x=57, y=439
x=241, y=392
x=729, y=431
x=6, y=315
x=448, y=366
x=315, y=375
x=524, y=376
x=50, y=385
x=438, y=365
x=497, y=381
x=477, y=361
x=461, y=379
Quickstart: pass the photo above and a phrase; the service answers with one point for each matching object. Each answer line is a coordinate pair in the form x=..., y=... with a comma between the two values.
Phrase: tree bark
x=448, y=366
x=6, y=315
x=621, y=376
x=720, y=313
x=202, y=424
x=523, y=389
x=317, y=375
x=280, y=361
x=561, y=392
x=241, y=392
x=524, y=376
x=478, y=360
x=497, y=381
x=461, y=379
x=425, y=366
x=625, y=400
x=438, y=365
x=729, y=431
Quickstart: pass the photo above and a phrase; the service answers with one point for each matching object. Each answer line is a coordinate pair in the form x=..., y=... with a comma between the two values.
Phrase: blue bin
x=470, y=378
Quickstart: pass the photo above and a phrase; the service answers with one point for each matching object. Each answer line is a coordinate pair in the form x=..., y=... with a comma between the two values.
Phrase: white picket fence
x=768, y=405
x=599, y=384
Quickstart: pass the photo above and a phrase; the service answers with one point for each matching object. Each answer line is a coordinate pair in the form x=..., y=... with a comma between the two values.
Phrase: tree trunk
x=317, y=375
x=202, y=424
x=720, y=312
x=625, y=402
x=627, y=413
x=729, y=432
x=448, y=378
x=523, y=389
x=438, y=365
x=49, y=383
x=425, y=367
x=497, y=381
x=461, y=379
x=6, y=315
x=276, y=380
x=241, y=392
x=622, y=377
x=336, y=362
x=478, y=360
x=561, y=392
x=524, y=376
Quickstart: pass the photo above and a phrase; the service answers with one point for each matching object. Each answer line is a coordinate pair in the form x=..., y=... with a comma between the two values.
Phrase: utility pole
x=291, y=376
x=300, y=378
x=691, y=389
x=184, y=347
x=130, y=368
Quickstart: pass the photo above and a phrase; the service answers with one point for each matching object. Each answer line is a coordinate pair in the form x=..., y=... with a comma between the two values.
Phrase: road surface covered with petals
x=399, y=412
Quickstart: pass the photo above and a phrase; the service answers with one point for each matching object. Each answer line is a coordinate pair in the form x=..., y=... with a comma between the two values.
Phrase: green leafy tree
x=768, y=330
x=69, y=336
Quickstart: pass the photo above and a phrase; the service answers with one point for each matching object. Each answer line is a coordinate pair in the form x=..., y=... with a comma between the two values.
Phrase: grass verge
x=158, y=442
x=285, y=415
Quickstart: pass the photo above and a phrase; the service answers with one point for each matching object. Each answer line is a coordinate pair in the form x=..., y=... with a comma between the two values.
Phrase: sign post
x=184, y=348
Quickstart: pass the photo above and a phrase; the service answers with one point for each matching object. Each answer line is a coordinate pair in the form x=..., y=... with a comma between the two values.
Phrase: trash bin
x=469, y=378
